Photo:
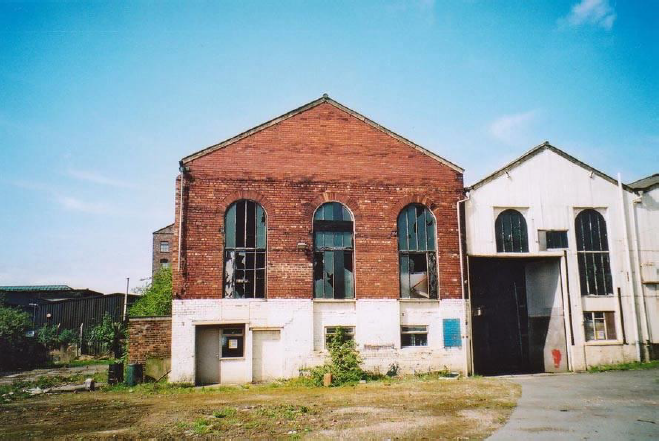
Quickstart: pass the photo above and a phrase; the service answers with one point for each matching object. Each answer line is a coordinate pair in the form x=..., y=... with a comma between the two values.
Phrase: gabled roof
x=324, y=99
x=645, y=183
x=162, y=230
x=34, y=288
x=535, y=151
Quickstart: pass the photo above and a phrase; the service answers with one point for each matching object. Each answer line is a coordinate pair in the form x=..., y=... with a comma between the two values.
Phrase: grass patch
x=624, y=366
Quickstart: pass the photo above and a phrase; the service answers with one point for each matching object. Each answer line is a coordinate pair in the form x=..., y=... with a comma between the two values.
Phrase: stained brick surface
x=322, y=154
x=149, y=337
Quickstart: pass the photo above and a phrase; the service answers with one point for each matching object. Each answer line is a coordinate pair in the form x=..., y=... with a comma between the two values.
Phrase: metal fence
x=80, y=315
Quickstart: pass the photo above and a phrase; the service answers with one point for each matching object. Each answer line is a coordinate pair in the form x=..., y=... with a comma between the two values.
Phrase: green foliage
x=344, y=362
x=16, y=349
x=156, y=297
x=51, y=338
x=225, y=412
x=109, y=334
x=624, y=366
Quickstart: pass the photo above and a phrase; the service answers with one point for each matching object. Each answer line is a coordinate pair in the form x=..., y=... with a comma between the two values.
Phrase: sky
x=100, y=100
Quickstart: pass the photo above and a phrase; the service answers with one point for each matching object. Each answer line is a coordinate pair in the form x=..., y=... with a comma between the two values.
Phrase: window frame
x=322, y=227
x=165, y=264
x=423, y=332
x=598, y=254
x=166, y=244
x=500, y=240
x=406, y=251
x=608, y=322
x=351, y=331
x=258, y=254
x=241, y=336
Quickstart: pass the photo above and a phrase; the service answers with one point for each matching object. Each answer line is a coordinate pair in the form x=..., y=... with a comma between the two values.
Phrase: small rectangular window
x=600, y=326
x=552, y=239
x=164, y=246
x=330, y=332
x=232, y=340
x=414, y=336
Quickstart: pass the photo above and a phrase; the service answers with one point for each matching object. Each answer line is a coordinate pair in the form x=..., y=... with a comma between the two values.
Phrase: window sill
x=415, y=347
x=321, y=300
x=418, y=300
x=603, y=343
x=237, y=358
x=245, y=299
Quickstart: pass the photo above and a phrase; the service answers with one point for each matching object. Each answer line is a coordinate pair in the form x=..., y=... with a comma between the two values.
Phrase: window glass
x=333, y=252
x=164, y=246
x=417, y=256
x=593, y=254
x=245, y=250
x=414, y=336
x=232, y=342
x=599, y=326
x=510, y=232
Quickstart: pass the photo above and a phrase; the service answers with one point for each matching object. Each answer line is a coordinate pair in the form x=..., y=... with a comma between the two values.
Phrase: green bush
x=110, y=334
x=51, y=338
x=156, y=299
x=344, y=362
x=16, y=349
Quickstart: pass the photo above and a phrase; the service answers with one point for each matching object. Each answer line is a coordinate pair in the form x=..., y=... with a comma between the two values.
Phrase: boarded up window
x=511, y=234
x=599, y=326
x=593, y=254
x=333, y=252
x=244, y=250
x=417, y=255
x=451, y=329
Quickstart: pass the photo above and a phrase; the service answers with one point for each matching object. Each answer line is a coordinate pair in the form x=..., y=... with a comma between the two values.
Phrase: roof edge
x=163, y=228
x=536, y=150
x=324, y=99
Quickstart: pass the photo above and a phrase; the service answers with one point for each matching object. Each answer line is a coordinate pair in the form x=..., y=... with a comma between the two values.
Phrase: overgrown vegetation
x=17, y=350
x=624, y=366
x=110, y=334
x=52, y=338
x=156, y=299
x=344, y=362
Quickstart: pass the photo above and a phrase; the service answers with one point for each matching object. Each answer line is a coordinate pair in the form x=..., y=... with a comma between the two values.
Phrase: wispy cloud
x=593, y=12
x=97, y=178
x=513, y=129
x=78, y=205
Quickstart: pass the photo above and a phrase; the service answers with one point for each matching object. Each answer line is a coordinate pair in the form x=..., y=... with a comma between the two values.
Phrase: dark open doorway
x=517, y=319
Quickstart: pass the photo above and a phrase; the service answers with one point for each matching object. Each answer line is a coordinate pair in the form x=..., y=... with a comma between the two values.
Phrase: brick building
x=162, y=248
x=317, y=219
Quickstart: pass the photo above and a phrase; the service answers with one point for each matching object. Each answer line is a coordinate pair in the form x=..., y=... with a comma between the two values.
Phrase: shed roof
x=34, y=288
x=324, y=99
x=535, y=151
x=163, y=229
x=645, y=183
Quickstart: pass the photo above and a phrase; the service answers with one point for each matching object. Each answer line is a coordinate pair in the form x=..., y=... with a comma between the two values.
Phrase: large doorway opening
x=517, y=315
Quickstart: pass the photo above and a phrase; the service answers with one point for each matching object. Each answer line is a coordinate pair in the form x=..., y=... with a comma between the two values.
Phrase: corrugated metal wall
x=73, y=313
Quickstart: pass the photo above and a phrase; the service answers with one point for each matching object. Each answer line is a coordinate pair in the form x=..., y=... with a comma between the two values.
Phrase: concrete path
x=616, y=405
x=33, y=375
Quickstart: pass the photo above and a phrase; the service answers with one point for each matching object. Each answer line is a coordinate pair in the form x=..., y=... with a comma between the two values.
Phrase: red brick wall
x=149, y=337
x=322, y=154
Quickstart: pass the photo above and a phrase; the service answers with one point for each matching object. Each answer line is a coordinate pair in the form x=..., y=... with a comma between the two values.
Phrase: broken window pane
x=333, y=243
x=511, y=233
x=599, y=326
x=414, y=336
x=417, y=258
x=244, y=250
x=592, y=254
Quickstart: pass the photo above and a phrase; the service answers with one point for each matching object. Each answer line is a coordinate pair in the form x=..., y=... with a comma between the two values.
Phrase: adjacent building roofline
x=324, y=99
x=35, y=288
x=163, y=228
x=533, y=152
x=645, y=183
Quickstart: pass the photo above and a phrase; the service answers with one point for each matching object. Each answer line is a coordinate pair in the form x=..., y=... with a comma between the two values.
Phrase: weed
x=624, y=366
x=200, y=426
x=225, y=412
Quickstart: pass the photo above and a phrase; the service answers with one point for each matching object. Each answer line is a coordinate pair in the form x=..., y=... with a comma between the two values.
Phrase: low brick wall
x=149, y=337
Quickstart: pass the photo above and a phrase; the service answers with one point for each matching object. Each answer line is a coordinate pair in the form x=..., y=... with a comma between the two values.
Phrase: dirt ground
x=400, y=409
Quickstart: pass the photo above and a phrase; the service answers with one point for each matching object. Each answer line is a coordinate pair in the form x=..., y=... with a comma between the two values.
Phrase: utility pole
x=126, y=299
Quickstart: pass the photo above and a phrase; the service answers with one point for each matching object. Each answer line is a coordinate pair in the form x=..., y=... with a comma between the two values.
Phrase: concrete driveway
x=616, y=405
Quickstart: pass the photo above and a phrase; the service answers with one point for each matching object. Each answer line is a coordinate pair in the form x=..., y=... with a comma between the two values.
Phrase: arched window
x=416, y=250
x=333, y=245
x=511, y=234
x=244, y=250
x=593, y=254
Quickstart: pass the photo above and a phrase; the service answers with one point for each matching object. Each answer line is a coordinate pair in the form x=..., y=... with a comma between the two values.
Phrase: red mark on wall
x=556, y=354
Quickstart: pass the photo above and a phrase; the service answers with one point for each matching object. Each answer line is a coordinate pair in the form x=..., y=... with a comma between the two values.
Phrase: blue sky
x=99, y=101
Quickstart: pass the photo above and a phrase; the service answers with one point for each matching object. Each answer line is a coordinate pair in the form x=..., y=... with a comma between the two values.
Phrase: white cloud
x=97, y=178
x=75, y=204
x=594, y=12
x=513, y=129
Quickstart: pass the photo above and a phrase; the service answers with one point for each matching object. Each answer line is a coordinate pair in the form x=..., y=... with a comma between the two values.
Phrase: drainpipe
x=468, y=352
x=639, y=284
x=182, y=170
x=628, y=262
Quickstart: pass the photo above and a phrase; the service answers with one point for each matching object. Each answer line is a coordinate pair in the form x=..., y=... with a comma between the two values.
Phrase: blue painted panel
x=452, y=336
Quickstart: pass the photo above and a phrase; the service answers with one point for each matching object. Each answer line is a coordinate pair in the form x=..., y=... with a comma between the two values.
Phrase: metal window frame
x=164, y=243
x=603, y=320
x=500, y=238
x=602, y=272
x=416, y=332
